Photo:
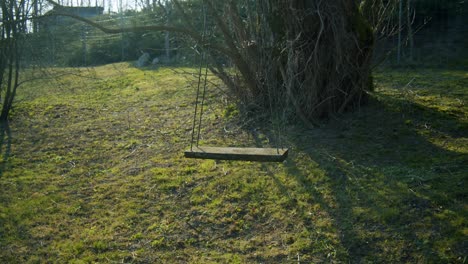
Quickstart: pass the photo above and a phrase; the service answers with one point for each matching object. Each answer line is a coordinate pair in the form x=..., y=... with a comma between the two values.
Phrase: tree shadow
x=5, y=145
x=396, y=196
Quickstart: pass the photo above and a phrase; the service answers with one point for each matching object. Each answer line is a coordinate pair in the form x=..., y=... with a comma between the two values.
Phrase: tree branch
x=237, y=58
x=192, y=34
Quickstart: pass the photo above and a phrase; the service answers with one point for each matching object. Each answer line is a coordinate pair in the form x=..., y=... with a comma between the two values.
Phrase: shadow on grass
x=396, y=197
x=5, y=145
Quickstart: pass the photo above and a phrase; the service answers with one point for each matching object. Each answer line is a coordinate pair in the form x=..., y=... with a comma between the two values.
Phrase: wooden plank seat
x=247, y=154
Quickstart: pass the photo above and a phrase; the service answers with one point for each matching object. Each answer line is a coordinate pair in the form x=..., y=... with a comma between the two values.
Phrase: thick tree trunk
x=311, y=56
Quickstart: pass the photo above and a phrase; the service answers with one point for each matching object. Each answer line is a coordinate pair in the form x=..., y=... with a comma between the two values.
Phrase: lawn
x=92, y=171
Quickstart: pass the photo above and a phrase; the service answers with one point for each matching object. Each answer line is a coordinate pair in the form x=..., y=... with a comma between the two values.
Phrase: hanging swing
x=230, y=153
x=224, y=153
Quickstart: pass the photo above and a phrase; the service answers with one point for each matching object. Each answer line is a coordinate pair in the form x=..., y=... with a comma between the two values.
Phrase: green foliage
x=98, y=176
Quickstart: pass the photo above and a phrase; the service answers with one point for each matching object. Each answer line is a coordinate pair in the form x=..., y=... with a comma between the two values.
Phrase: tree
x=314, y=53
x=167, y=8
x=308, y=57
x=14, y=15
x=409, y=29
x=18, y=50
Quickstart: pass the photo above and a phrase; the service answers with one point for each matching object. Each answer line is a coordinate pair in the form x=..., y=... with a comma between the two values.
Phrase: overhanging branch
x=192, y=34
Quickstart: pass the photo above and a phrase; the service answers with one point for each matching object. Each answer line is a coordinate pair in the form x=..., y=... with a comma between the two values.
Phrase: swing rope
x=195, y=114
x=202, y=102
x=202, y=61
x=227, y=153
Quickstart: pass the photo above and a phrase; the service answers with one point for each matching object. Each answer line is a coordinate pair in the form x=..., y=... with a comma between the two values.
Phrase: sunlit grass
x=96, y=174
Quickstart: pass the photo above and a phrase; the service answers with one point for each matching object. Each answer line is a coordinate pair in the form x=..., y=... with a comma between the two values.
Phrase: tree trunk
x=409, y=26
x=12, y=27
x=314, y=54
x=400, y=28
x=167, y=36
x=35, y=15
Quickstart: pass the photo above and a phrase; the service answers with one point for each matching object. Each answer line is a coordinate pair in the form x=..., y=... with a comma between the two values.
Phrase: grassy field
x=92, y=171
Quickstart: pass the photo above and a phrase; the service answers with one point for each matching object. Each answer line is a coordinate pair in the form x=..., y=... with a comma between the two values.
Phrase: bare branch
x=192, y=34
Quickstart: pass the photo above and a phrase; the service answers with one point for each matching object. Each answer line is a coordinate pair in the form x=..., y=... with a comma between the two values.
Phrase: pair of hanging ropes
x=203, y=61
x=249, y=154
x=196, y=114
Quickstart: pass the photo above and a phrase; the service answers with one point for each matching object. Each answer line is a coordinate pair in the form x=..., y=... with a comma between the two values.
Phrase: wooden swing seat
x=246, y=154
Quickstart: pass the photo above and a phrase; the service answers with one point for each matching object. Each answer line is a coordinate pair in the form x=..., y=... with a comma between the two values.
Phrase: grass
x=92, y=171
